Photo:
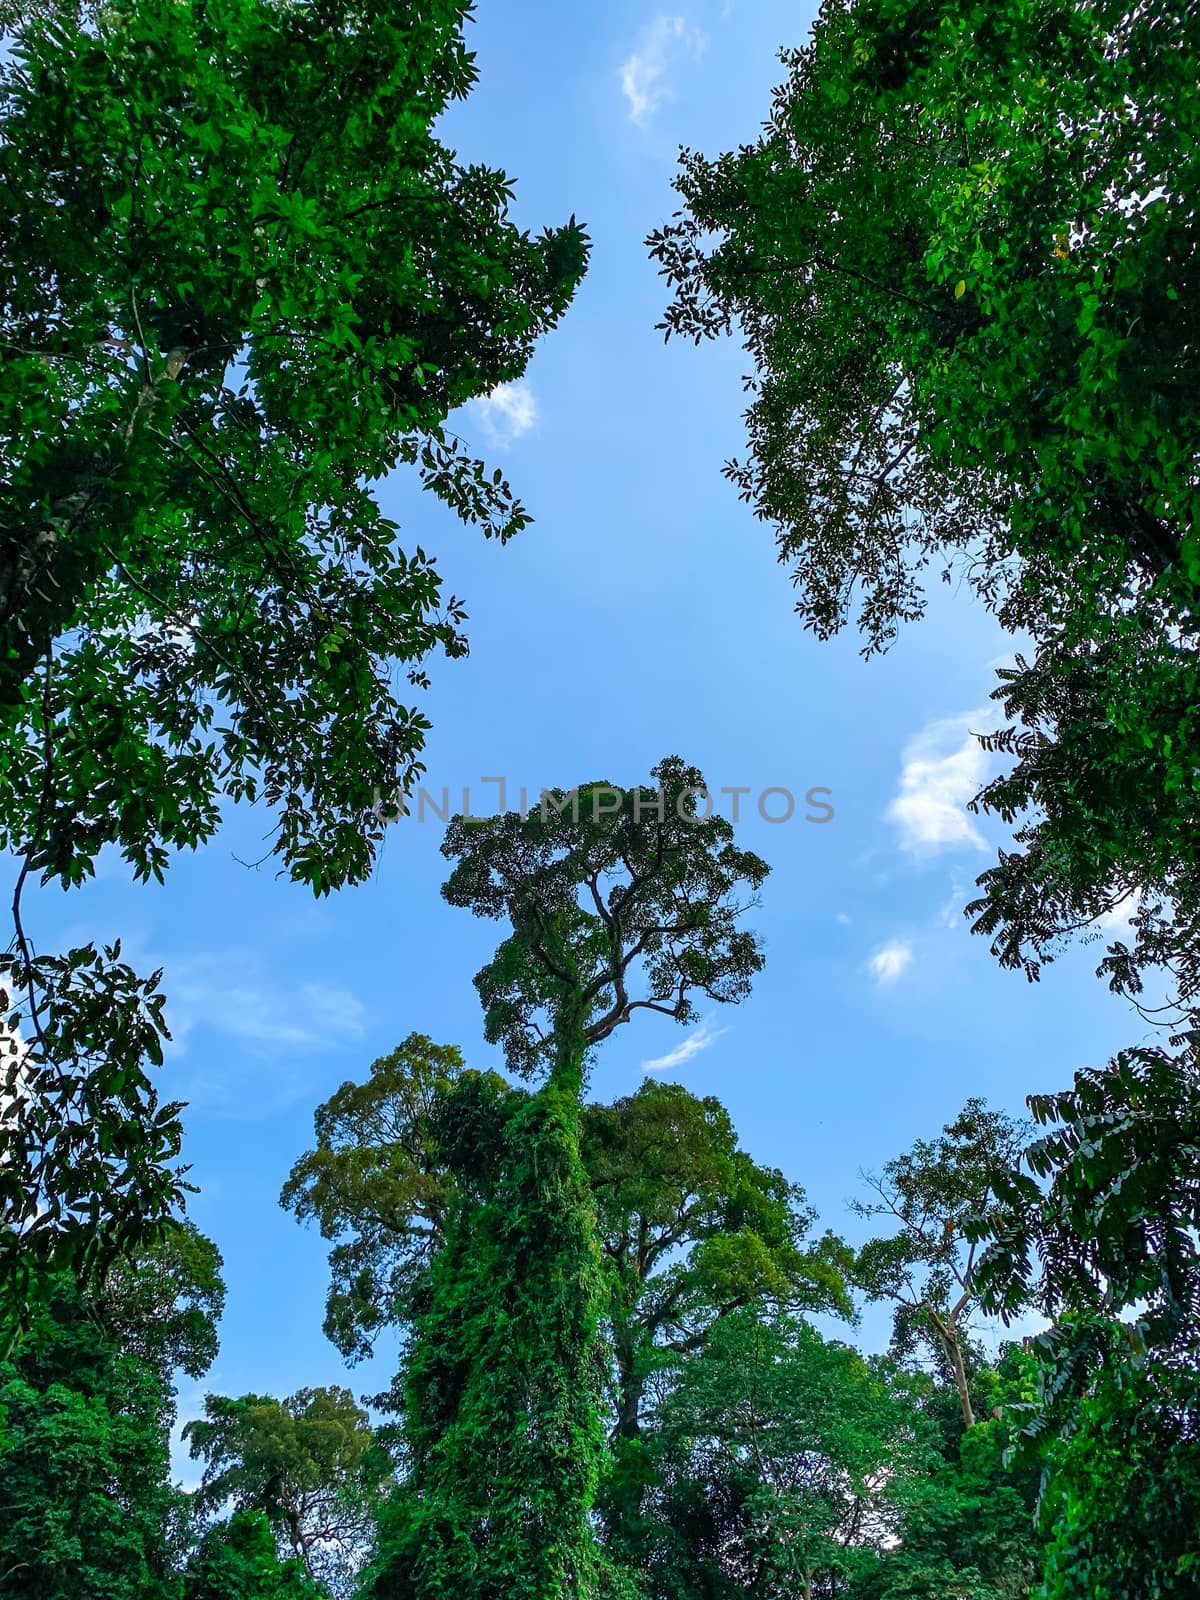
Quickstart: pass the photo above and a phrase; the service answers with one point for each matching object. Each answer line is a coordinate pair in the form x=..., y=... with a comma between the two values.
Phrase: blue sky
x=643, y=614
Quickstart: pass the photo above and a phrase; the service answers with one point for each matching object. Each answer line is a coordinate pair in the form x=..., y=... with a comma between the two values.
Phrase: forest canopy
x=617, y=1353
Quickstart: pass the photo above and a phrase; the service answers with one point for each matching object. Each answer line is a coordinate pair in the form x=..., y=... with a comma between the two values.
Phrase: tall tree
x=778, y=1459
x=927, y=1268
x=308, y=1464
x=1096, y=1231
x=87, y=1511
x=964, y=256
x=618, y=900
x=242, y=281
x=604, y=887
x=690, y=1226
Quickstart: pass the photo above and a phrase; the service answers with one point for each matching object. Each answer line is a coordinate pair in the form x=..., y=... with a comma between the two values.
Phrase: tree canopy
x=308, y=1464
x=378, y=1187
x=963, y=257
x=604, y=886
x=242, y=281
x=87, y=1509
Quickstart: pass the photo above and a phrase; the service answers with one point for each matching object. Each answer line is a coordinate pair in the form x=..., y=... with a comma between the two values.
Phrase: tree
x=242, y=282
x=900, y=231
x=164, y=1303
x=777, y=1456
x=377, y=1186
x=1096, y=1231
x=928, y=1267
x=690, y=1226
x=966, y=1524
x=308, y=1464
x=500, y=1378
x=237, y=1560
x=87, y=1511
x=691, y=1229
x=617, y=901
x=602, y=885
x=963, y=255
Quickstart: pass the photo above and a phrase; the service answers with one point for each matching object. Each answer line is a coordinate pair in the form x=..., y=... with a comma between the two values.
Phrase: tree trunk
x=947, y=1331
x=954, y=1348
x=629, y=1406
x=570, y=1047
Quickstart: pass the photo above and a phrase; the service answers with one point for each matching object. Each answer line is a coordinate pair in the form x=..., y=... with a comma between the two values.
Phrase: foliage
x=87, y=1148
x=237, y=1560
x=86, y=1501
x=242, y=282
x=964, y=258
x=500, y=1377
x=775, y=1464
x=1123, y=1494
x=967, y=1528
x=599, y=885
x=1105, y=1217
x=1098, y=1234
x=963, y=254
x=953, y=216
x=503, y=1370
x=1104, y=817
x=691, y=1228
x=309, y=1464
x=163, y=1304
x=928, y=1266
x=689, y=1225
x=87, y=1511
x=377, y=1187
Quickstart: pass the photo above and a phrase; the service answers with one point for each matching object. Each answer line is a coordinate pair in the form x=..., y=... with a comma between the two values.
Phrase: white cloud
x=951, y=913
x=664, y=42
x=507, y=412
x=280, y=1031
x=1120, y=916
x=698, y=1039
x=944, y=767
x=887, y=964
x=843, y=919
x=229, y=995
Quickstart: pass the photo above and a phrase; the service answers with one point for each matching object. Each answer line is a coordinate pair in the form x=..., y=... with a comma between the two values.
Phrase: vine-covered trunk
x=502, y=1390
